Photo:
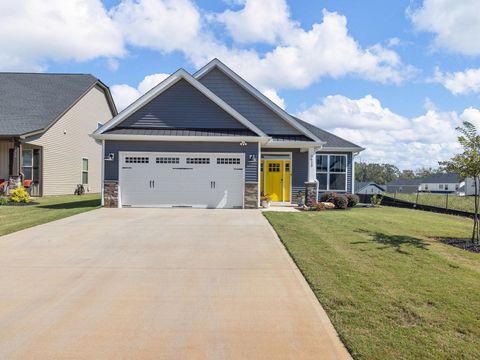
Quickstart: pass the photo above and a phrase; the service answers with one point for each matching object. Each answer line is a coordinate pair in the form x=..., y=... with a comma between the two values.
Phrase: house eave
x=341, y=149
x=293, y=144
x=130, y=137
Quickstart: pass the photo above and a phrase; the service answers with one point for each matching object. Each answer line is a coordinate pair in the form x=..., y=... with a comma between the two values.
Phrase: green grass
x=390, y=289
x=49, y=208
x=464, y=203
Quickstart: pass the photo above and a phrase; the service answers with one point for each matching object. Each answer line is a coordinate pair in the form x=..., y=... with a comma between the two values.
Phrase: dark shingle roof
x=405, y=182
x=332, y=141
x=448, y=178
x=294, y=138
x=361, y=184
x=31, y=102
x=181, y=132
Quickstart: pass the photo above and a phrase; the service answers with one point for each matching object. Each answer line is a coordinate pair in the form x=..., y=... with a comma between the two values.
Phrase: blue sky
x=396, y=77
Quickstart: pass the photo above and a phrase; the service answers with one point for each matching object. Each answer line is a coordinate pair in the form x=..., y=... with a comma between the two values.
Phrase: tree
x=467, y=165
x=407, y=174
x=378, y=173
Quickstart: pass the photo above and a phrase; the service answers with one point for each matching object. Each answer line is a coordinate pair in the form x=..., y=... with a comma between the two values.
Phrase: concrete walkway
x=157, y=284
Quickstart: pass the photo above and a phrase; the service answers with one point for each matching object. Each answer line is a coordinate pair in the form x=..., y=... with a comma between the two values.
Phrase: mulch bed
x=465, y=244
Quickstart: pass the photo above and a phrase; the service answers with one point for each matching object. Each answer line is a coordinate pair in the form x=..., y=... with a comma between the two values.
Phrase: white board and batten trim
x=180, y=179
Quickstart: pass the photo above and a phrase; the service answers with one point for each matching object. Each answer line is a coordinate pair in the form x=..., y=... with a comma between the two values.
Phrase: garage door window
x=198, y=160
x=167, y=160
x=137, y=160
x=228, y=161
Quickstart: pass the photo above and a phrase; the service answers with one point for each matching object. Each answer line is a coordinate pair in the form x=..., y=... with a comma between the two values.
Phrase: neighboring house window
x=456, y=186
x=441, y=186
x=446, y=186
x=84, y=171
x=27, y=165
x=426, y=186
x=332, y=172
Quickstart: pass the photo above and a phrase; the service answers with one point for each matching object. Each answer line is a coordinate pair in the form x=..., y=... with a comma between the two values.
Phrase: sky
x=396, y=77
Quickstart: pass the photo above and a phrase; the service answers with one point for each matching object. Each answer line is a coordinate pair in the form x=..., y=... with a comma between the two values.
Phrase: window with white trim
x=228, y=161
x=198, y=160
x=167, y=160
x=84, y=171
x=332, y=172
x=27, y=164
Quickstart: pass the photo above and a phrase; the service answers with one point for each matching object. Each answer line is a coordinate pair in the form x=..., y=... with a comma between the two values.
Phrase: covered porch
x=20, y=165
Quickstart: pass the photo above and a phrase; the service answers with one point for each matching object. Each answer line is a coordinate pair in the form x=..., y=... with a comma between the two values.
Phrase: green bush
x=327, y=197
x=19, y=195
x=3, y=200
x=352, y=200
x=340, y=201
x=377, y=200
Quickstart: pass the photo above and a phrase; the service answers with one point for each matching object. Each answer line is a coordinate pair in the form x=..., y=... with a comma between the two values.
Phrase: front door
x=276, y=179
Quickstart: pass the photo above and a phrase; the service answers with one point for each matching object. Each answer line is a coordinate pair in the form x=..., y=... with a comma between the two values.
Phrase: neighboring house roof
x=32, y=102
x=447, y=178
x=405, y=182
x=332, y=141
x=359, y=185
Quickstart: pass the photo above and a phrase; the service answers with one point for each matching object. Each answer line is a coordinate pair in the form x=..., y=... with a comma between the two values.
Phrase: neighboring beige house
x=45, y=122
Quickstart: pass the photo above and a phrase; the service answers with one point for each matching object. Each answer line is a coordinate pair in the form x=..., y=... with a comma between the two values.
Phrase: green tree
x=378, y=173
x=467, y=165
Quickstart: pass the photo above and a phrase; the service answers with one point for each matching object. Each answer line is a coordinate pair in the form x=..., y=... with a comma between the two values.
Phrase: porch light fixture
x=243, y=143
x=252, y=157
x=110, y=157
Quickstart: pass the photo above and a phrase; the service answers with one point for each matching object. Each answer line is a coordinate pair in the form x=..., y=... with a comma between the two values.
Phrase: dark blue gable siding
x=181, y=106
x=246, y=104
x=114, y=146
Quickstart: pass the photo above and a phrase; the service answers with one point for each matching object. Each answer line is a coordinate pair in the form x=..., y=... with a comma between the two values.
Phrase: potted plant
x=300, y=199
x=266, y=200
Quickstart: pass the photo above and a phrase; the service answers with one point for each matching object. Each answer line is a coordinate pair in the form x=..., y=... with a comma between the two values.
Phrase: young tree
x=467, y=165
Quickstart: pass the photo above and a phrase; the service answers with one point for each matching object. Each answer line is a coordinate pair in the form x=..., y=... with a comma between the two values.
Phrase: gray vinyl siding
x=114, y=146
x=246, y=104
x=299, y=168
x=181, y=106
x=349, y=166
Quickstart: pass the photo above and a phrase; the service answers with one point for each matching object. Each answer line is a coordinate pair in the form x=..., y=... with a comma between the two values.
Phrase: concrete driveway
x=158, y=284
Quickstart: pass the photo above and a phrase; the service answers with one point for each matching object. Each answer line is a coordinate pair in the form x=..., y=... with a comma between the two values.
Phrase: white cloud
x=273, y=95
x=461, y=82
x=454, y=23
x=258, y=21
x=406, y=142
x=124, y=94
x=33, y=32
x=165, y=25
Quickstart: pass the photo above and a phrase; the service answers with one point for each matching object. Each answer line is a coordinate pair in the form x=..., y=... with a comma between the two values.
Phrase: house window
x=332, y=172
x=85, y=171
x=426, y=186
x=27, y=164
x=446, y=186
x=198, y=160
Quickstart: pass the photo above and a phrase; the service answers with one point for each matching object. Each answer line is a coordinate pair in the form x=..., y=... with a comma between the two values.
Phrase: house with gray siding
x=45, y=126
x=210, y=139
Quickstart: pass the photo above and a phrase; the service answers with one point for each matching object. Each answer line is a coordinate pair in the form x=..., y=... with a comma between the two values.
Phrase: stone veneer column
x=310, y=193
x=110, y=194
x=251, y=195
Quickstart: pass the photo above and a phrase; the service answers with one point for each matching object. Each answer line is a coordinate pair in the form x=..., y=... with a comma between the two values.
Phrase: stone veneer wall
x=110, y=194
x=311, y=193
x=251, y=195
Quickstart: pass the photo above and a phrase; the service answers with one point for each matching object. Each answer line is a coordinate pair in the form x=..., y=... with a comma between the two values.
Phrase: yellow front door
x=274, y=179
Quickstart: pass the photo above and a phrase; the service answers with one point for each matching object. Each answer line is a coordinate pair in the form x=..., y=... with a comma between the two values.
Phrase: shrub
x=352, y=200
x=19, y=195
x=3, y=200
x=327, y=197
x=377, y=200
x=340, y=201
x=319, y=207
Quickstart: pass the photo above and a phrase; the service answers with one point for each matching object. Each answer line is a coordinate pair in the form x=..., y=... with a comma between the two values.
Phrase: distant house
x=45, y=122
x=368, y=188
x=405, y=186
x=467, y=187
x=440, y=183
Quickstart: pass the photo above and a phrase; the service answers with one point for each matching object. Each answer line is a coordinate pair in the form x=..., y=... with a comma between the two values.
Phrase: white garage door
x=182, y=179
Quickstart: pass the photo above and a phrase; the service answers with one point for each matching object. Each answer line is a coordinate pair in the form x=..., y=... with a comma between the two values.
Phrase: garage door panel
x=182, y=179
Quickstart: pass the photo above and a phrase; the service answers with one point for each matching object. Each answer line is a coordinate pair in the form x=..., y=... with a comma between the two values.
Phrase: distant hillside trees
x=385, y=173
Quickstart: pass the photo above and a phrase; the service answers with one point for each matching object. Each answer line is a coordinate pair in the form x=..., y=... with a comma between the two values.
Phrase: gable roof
x=359, y=185
x=333, y=142
x=217, y=64
x=164, y=86
x=32, y=102
x=405, y=182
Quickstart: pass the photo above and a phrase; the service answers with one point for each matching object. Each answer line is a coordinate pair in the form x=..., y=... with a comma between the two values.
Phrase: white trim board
x=257, y=94
x=163, y=86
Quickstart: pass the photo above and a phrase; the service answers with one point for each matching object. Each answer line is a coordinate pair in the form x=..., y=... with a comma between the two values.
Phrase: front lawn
x=49, y=208
x=463, y=203
x=391, y=291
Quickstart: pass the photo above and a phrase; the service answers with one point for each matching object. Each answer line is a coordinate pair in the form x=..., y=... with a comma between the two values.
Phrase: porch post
x=311, y=185
x=17, y=158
